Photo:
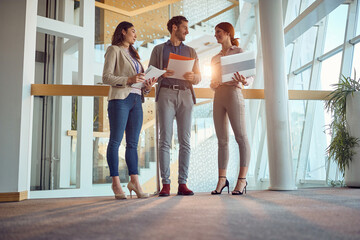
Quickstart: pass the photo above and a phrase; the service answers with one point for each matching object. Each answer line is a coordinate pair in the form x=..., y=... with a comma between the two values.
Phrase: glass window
x=52, y=9
x=307, y=45
x=306, y=4
x=358, y=26
x=289, y=52
x=330, y=71
x=54, y=158
x=335, y=31
x=301, y=81
x=316, y=166
x=309, y=165
x=356, y=62
x=292, y=11
x=297, y=113
x=296, y=118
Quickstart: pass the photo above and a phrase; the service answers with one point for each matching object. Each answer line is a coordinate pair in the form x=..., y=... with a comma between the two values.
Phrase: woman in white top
x=122, y=69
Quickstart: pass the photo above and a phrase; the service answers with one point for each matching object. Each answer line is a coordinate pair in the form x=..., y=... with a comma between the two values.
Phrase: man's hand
x=189, y=76
x=168, y=73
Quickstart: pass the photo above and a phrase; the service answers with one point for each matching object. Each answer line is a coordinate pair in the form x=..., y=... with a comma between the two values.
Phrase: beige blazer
x=118, y=67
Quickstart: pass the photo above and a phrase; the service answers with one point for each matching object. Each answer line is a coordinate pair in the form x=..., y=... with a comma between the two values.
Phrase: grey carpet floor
x=318, y=213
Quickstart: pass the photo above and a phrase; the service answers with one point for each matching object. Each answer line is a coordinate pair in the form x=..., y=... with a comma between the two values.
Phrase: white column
x=64, y=120
x=276, y=95
x=257, y=110
x=86, y=104
x=17, y=66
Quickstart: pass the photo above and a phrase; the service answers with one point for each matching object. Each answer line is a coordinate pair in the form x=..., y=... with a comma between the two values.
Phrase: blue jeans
x=124, y=115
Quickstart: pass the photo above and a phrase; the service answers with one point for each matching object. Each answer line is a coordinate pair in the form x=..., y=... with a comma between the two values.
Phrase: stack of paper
x=151, y=72
x=180, y=65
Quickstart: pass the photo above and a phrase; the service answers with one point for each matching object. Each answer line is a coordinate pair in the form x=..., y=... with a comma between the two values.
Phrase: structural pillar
x=17, y=71
x=276, y=95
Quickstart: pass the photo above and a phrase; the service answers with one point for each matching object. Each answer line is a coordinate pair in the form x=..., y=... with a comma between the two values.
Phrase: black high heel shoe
x=237, y=192
x=226, y=185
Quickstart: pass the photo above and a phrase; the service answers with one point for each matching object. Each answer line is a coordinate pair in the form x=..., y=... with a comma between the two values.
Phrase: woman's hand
x=136, y=78
x=149, y=83
x=239, y=78
x=232, y=83
x=214, y=85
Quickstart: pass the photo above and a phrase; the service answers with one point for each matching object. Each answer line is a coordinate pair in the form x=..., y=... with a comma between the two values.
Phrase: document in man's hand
x=244, y=63
x=151, y=72
x=180, y=65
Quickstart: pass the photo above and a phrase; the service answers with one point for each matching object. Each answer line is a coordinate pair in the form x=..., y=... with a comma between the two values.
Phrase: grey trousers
x=229, y=105
x=174, y=104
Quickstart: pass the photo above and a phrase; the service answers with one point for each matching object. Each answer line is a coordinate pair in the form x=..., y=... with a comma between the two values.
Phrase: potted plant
x=344, y=105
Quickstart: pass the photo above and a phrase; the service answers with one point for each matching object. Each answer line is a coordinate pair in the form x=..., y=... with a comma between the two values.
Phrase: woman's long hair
x=118, y=38
x=227, y=27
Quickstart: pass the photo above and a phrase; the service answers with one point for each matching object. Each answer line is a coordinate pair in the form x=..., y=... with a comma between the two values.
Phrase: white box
x=244, y=63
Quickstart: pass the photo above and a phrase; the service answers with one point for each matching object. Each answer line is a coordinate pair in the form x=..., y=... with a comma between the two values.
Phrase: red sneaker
x=165, y=191
x=183, y=190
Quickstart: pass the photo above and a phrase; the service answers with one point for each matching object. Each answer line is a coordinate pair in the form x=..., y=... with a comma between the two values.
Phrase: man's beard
x=179, y=35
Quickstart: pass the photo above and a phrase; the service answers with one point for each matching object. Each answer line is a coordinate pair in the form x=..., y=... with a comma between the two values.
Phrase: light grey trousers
x=229, y=105
x=174, y=104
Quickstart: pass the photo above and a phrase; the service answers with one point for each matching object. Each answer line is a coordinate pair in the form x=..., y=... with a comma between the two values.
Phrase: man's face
x=181, y=31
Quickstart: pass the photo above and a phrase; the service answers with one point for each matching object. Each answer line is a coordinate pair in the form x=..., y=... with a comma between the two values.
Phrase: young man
x=175, y=99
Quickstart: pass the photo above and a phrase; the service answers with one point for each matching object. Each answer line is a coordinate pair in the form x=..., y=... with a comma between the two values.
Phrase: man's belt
x=174, y=87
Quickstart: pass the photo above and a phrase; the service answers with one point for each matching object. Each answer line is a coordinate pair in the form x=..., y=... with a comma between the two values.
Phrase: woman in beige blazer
x=229, y=106
x=122, y=69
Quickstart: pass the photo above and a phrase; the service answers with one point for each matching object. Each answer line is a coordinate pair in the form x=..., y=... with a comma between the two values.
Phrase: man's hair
x=177, y=20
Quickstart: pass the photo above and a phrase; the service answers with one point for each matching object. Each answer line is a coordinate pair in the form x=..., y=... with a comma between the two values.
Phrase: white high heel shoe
x=139, y=194
x=119, y=196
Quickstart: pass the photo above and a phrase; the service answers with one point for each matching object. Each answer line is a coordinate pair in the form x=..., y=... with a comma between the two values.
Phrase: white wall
x=17, y=61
